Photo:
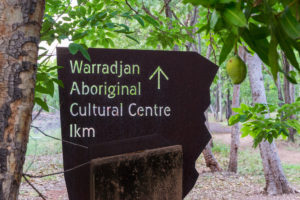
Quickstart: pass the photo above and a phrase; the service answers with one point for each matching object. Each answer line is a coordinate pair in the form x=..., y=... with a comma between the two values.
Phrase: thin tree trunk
x=228, y=105
x=169, y=15
x=276, y=182
x=220, y=111
x=210, y=160
x=20, y=32
x=289, y=93
x=279, y=91
x=235, y=136
x=235, y=130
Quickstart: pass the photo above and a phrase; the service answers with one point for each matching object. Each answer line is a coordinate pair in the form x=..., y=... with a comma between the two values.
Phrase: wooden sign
x=131, y=100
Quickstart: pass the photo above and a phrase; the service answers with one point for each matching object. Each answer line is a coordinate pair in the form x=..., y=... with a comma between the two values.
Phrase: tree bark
x=289, y=93
x=279, y=91
x=210, y=160
x=276, y=182
x=169, y=15
x=235, y=130
x=20, y=26
x=220, y=111
x=228, y=105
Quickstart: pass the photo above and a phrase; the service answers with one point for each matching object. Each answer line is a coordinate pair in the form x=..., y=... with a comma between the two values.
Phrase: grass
x=249, y=164
x=43, y=153
x=41, y=145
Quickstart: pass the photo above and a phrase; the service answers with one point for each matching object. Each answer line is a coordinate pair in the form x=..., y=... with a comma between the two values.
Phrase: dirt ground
x=210, y=186
x=222, y=134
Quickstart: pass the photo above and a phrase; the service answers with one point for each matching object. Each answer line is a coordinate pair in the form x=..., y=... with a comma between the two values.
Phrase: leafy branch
x=266, y=122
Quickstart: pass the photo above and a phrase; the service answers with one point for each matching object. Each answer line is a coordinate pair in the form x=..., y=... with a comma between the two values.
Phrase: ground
x=44, y=156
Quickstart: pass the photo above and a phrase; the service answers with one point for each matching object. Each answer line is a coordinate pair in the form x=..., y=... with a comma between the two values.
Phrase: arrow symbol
x=158, y=71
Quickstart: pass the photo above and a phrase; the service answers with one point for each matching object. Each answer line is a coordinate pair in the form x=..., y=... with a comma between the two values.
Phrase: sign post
x=131, y=100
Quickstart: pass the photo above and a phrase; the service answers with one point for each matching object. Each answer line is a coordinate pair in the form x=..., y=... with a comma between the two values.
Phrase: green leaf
x=261, y=47
x=85, y=53
x=82, y=11
x=235, y=16
x=286, y=46
x=234, y=119
x=110, y=25
x=74, y=48
x=54, y=68
x=227, y=47
x=139, y=19
x=41, y=103
x=80, y=35
x=66, y=19
x=205, y=3
x=41, y=89
x=214, y=19
x=58, y=82
x=226, y=1
x=273, y=57
x=258, y=32
x=150, y=20
x=290, y=24
x=132, y=38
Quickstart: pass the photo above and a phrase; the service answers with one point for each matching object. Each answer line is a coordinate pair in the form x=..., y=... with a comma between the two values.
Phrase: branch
x=136, y=12
x=149, y=13
x=39, y=112
x=56, y=173
x=177, y=18
x=45, y=134
x=195, y=16
x=35, y=189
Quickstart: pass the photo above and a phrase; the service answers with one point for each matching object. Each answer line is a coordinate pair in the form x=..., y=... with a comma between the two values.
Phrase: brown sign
x=130, y=100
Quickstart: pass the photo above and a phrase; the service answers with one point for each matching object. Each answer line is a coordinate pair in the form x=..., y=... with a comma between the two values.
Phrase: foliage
x=266, y=122
x=264, y=25
x=87, y=23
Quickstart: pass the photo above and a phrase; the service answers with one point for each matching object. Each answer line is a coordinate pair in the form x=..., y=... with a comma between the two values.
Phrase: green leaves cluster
x=46, y=79
x=264, y=26
x=267, y=122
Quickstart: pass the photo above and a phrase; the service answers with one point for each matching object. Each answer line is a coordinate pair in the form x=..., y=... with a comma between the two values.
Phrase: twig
x=39, y=112
x=79, y=145
x=35, y=189
x=128, y=4
x=56, y=173
x=149, y=13
x=195, y=16
x=177, y=18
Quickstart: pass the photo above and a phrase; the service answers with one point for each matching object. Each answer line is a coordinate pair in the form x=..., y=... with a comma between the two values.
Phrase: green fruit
x=236, y=69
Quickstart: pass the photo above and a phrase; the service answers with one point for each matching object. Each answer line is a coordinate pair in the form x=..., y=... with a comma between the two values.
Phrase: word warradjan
x=117, y=68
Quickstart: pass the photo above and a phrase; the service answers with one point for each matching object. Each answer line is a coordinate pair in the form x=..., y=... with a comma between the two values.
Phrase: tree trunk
x=210, y=160
x=220, y=111
x=276, y=182
x=228, y=105
x=169, y=15
x=20, y=33
x=235, y=136
x=289, y=93
x=235, y=130
x=279, y=91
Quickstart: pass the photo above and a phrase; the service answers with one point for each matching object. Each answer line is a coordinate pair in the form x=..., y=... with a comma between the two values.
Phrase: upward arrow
x=158, y=71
